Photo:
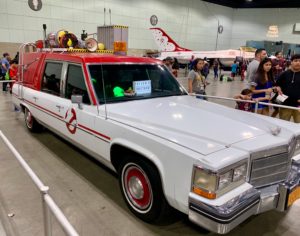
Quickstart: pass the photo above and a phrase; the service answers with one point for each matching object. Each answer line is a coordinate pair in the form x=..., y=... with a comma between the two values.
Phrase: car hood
x=199, y=125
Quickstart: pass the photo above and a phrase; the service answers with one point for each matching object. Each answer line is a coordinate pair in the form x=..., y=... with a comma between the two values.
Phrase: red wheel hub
x=138, y=187
x=29, y=119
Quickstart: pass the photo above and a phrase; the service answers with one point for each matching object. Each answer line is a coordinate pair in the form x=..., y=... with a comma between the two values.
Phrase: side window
x=75, y=84
x=51, y=78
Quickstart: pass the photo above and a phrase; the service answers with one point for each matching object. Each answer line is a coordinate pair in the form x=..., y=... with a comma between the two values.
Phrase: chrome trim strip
x=219, y=227
x=269, y=152
x=225, y=221
x=266, y=176
x=282, y=197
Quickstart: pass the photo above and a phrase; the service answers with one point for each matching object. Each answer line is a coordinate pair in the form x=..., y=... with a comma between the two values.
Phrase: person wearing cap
x=289, y=84
x=4, y=68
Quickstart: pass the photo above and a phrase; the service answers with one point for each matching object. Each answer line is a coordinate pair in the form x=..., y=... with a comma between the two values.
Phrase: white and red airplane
x=169, y=48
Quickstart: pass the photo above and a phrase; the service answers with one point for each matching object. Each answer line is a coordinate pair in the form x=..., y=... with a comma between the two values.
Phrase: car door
x=48, y=110
x=79, y=120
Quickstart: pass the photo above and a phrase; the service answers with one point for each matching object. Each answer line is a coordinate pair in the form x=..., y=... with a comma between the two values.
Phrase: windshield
x=123, y=82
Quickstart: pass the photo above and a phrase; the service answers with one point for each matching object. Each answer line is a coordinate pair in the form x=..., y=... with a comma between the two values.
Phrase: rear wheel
x=142, y=190
x=31, y=122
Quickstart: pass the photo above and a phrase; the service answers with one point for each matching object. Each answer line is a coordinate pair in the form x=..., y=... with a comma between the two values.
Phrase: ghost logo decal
x=71, y=120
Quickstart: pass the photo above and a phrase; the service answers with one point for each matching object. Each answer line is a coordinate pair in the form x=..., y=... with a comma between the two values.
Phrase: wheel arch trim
x=146, y=153
x=24, y=105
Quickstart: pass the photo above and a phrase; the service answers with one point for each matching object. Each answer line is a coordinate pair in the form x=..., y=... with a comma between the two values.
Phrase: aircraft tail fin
x=165, y=42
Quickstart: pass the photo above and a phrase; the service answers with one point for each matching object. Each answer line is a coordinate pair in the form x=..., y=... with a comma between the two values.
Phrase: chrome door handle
x=35, y=98
x=59, y=107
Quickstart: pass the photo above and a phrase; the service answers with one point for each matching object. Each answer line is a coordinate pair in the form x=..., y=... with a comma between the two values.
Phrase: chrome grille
x=269, y=170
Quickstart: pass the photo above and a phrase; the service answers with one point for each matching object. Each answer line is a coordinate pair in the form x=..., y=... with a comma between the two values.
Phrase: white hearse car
x=172, y=151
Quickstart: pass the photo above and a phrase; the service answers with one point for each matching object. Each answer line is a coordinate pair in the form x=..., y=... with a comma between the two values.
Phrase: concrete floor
x=87, y=192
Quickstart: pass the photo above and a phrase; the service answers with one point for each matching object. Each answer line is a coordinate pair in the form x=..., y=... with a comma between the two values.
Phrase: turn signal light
x=120, y=46
x=203, y=193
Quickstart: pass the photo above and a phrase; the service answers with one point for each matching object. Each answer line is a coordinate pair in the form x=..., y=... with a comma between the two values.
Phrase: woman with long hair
x=196, y=81
x=262, y=85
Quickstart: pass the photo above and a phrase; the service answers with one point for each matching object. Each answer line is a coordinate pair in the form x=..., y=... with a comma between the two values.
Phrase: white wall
x=252, y=24
x=192, y=23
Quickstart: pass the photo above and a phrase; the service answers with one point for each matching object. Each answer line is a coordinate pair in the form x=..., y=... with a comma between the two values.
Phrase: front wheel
x=31, y=123
x=142, y=190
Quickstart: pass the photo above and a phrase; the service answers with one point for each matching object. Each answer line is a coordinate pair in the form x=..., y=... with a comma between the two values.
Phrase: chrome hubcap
x=135, y=187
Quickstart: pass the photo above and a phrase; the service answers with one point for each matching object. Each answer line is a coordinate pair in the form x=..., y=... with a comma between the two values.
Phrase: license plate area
x=293, y=196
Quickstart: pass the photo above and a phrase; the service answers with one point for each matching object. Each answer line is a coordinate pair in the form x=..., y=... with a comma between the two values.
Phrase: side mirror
x=77, y=99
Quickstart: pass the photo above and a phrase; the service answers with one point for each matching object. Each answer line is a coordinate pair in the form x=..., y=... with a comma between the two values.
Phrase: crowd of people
x=198, y=72
x=268, y=80
x=273, y=81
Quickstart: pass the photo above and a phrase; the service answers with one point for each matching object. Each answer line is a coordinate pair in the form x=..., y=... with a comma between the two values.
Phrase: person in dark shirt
x=289, y=84
x=216, y=69
x=278, y=65
x=175, y=67
x=205, y=70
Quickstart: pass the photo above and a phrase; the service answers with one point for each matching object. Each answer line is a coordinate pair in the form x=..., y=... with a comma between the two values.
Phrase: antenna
x=109, y=16
x=44, y=28
x=104, y=14
x=104, y=94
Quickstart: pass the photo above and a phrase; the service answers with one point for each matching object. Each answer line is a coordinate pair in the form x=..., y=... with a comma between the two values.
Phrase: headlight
x=211, y=184
x=240, y=172
x=225, y=179
x=205, y=180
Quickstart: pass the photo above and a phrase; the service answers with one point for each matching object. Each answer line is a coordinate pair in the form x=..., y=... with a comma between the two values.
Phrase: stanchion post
x=256, y=107
x=46, y=212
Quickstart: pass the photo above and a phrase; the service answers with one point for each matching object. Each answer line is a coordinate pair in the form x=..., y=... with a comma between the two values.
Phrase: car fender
x=149, y=155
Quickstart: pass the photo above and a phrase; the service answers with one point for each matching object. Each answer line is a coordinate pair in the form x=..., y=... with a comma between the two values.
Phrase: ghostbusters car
x=169, y=149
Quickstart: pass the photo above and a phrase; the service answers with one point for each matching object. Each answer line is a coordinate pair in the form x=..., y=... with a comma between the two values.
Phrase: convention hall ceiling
x=257, y=3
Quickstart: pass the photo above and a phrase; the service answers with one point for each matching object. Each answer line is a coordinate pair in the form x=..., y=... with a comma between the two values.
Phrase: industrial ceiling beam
x=257, y=3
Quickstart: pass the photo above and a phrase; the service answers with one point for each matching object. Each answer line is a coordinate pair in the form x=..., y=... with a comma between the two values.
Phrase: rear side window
x=75, y=84
x=51, y=78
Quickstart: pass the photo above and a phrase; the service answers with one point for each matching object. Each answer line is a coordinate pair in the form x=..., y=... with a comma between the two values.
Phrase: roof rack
x=78, y=50
x=32, y=47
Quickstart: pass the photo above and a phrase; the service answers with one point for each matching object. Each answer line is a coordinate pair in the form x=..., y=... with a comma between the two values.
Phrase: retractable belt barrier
x=6, y=81
x=47, y=201
x=250, y=101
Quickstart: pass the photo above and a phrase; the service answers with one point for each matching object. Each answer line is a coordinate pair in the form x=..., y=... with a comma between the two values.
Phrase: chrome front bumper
x=222, y=219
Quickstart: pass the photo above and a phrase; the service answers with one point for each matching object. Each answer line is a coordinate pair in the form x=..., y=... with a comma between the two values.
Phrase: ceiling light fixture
x=273, y=31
